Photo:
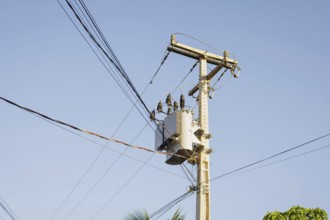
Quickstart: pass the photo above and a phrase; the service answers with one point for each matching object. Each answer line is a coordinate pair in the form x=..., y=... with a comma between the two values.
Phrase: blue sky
x=280, y=100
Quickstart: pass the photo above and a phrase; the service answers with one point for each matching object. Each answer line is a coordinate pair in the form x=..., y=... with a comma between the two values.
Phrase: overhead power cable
x=195, y=39
x=94, y=160
x=161, y=64
x=122, y=188
x=234, y=172
x=280, y=161
x=170, y=205
x=84, y=131
x=102, y=176
x=114, y=61
x=116, y=151
x=7, y=209
x=185, y=77
x=270, y=157
x=105, y=42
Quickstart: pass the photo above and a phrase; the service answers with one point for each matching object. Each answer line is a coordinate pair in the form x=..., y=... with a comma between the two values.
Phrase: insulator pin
x=169, y=110
x=182, y=102
x=169, y=100
x=160, y=107
x=153, y=115
x=175, y=105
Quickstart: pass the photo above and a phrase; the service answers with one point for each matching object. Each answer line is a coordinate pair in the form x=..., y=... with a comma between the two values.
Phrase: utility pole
x=203, y=150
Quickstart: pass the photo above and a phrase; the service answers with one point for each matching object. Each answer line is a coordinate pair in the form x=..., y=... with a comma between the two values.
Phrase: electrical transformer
x=176, y=135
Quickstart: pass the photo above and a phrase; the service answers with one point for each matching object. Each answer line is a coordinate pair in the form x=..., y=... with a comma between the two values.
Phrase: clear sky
x=280, y=101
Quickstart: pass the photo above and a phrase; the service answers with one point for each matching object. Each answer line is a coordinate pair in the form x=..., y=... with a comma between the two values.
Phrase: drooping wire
x=128, y=181
x=113, y=150
x=81, y=130
x=7, y=209
x=165, y=57
x=118, y=66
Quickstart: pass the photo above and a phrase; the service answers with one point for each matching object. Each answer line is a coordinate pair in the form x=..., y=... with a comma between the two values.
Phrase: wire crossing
x=112, y=56
x=234, y=172
x=84, y=131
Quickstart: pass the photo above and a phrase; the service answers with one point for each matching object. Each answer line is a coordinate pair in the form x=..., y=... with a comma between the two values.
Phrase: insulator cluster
x=171, y=106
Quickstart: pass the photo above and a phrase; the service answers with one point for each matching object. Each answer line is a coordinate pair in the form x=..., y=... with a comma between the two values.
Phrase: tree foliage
x=298, y=213
x=138, y=215
x=143, y=215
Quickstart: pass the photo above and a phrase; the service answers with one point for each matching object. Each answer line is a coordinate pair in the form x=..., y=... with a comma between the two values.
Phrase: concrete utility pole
x=203, y=206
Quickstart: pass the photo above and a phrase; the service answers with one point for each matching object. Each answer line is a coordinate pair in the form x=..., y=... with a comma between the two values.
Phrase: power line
x=107, y=67
x=122, y=188
x=168, y=206
x=113, y=150
x=81, y=130
x=232, y=173
x=202, y=42
x=102, y=176
x=7, y=209
x=114, y=61
x=270, y=157
x=161, y=64
x=109, y=48
x=88, y=132
x=280, y=161
x=104, y=63
x=185, y=77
